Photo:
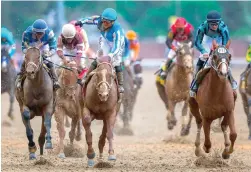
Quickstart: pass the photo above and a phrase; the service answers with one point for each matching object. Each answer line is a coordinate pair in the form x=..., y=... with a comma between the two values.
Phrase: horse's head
x=185, y=55
x=221, y=59
x=104, y=77
x=69, y=77
x=33, y=61
x=5, y=58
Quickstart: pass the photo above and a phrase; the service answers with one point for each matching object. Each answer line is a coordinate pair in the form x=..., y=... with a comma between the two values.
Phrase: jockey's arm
x=190, y=39
x=118, y=38
x=85, y=40
x=225, y=35
x=169, y=40
x=52, y=43
x=93, y=20
x=136, y=52
x=60, y=48
x=198, y=41
x=79, y=48
x=25, y=42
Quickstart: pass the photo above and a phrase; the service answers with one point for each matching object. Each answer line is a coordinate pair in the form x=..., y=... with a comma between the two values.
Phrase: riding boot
x=21, y=76
x=56, y=85
x=167, y=65
x=120, y=78
x=85, y=79
x=232, y=81
x=194, y=85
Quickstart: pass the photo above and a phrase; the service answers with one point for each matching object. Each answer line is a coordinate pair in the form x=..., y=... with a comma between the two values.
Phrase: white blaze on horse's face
x=188, y=61
x=223, y=68
x=103, y=89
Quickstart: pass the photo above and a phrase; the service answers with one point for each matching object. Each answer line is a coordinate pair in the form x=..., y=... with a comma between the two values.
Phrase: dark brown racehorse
x=215, y=99
x=36, y=99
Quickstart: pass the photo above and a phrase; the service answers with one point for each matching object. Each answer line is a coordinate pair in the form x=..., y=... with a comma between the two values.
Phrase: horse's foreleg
x=101, y=142
x=170, y=115
x=72, y=133
x=29, y=132
x=86, y=120
x=79, y=131
x=10, y=113
x=184, y=115
x=110, y=125
x=47, y=124
x=59, y=117
x=207, y=142
x=125, y=113
x=248, y=113
x=41, y=138
x=67, y=123
x=196, y=113
x=162, y=94
x=224, y=125
x=233, y=134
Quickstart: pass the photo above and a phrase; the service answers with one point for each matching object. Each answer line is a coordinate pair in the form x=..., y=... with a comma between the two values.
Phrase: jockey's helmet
x=68, y=31
x=109, y=14
x=39, y=26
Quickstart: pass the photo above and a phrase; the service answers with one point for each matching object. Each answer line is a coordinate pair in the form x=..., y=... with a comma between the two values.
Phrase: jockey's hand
x=174, y=48
x=79, y=23
x=64, y=60
x=205, y=55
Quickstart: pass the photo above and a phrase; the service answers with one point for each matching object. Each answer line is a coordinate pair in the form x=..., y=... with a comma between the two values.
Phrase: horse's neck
x=40, y=77
x=215, y=84
x=181, y=73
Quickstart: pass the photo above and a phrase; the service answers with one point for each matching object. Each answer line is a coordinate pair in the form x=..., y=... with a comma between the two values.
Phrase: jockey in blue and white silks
x=8, y=41
x=35, y=35
x=211, y=29
x=111, y=41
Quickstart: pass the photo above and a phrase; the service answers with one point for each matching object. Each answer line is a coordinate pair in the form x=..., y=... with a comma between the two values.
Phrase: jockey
x=71, y=42
x=134, y=48
x=111, y=42
x=180, y=31
x=248, y=58
x=33, y=36
x=8, y=40
x=212, y=28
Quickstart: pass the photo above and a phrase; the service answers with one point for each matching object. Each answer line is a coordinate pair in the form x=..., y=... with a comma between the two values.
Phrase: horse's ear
x=230, y=57
x=228, y=44
x=215, y=45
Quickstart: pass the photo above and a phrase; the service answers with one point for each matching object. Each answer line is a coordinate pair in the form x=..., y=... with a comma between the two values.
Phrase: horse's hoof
x=61, y=156
x=48, y=145
x=225, y=155
x=91, y=156
x=10, y=115
x=32, y=156
x=90, y=162
x=111, y=158
x=170, y=126
x=206, y=149
x=78, y=137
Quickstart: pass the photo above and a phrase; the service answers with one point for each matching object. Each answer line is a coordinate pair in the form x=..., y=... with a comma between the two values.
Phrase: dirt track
x=145, y=151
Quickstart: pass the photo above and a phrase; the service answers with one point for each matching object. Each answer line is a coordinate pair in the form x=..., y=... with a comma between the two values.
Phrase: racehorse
x=36, y=99
x=245, y=91
x=215, y=99
x=69, y=103
x=8, y=74
x=176, y=87
x=101, y=103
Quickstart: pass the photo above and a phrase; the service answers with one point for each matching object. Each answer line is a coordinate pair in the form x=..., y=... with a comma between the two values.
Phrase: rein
x=101, y=82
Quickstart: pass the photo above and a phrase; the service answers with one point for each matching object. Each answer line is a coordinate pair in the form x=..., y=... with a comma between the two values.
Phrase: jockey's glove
x=79, y=23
